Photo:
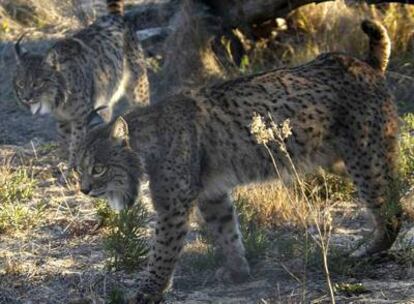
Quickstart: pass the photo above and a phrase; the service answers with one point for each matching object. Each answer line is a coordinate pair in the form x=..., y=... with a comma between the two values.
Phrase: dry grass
x=270, y=203
x=50, y=251
x=36, y=214
x=270, y=206
x=318, y=26
x=21, y=15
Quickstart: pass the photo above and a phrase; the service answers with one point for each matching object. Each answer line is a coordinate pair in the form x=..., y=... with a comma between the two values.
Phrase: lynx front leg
x=170, y=232
x=64, y=133
x=78, y=133
x=173, y=193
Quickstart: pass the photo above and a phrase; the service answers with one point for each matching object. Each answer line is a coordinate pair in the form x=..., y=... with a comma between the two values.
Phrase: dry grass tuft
x=21, y=15
x=269, y=205
x=324, y=23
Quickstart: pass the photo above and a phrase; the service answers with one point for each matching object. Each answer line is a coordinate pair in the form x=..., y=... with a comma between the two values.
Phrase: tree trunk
x=235, y=13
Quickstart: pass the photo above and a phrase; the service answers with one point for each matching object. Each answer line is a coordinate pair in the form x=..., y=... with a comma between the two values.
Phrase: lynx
x=90, y=70
x=196, y=147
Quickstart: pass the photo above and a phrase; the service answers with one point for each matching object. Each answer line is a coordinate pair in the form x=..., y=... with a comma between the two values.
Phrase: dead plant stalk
x=278, y=134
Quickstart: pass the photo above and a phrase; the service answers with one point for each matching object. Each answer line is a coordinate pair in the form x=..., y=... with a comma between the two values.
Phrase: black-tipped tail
x=115, y=7
x=379, y=44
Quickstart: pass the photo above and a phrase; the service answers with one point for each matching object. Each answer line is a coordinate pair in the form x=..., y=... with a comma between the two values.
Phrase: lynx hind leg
x=373, y=174
x=221, y=219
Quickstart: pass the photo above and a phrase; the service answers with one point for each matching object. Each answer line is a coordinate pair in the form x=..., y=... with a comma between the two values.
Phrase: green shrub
x=255, y=237
x=407, y=148
x=116, y=296
x=126, y=243
x=16, y=186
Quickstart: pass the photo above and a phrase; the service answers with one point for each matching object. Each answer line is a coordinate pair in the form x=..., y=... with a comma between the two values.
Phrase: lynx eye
x=98, y=170
x=38, y=85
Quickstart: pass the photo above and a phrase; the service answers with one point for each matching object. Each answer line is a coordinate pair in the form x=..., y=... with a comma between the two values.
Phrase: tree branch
x=236, y=13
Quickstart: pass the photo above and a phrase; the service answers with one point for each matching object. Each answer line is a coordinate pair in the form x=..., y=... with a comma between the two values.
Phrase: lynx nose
x=86, y=189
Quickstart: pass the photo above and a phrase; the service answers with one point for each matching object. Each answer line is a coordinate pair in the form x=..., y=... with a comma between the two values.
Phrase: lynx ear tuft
x=94, y=119
x=20, y=51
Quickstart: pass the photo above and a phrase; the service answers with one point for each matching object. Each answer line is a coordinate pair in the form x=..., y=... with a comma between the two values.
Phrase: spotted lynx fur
x=88, y=70
x=195, y=148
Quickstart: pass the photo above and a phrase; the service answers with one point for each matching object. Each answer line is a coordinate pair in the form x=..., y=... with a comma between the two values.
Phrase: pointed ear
x=19, y=51
x=119, y=131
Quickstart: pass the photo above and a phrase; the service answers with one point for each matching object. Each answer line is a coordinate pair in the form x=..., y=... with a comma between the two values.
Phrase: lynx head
x=37, y=82
x=107, y=165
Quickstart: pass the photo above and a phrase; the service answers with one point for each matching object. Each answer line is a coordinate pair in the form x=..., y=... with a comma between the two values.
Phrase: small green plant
x=255, y=237
x=126, y=243
x=105, y=214
x=4, y=26
x=407, y=147
x=116, y=296
x=48, y=147
x=16, y=186
x=16, y=191
x=244, y=64
x=329, y=187
x=406, y=163
x=350, y=289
